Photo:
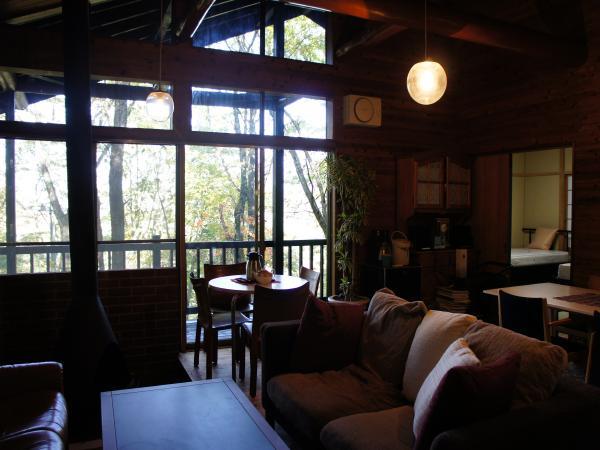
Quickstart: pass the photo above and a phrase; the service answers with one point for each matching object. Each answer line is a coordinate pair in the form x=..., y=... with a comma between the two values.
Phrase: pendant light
x=426, y=81
x=159, y=103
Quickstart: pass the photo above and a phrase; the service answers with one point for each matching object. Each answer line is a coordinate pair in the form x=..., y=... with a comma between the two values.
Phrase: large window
x=136, y=205
x=290, y=31
x=239, y=112
x=123, y=104
x=38, y=99
x=35, y=221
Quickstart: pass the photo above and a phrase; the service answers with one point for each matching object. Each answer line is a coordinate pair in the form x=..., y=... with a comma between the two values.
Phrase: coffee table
x=209, y=414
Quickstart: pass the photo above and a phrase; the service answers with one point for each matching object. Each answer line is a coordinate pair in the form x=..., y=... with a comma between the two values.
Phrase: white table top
x=225, y=284
x=549, y=291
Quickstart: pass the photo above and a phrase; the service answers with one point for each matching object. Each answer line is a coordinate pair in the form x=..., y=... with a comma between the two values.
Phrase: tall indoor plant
x=354, y=187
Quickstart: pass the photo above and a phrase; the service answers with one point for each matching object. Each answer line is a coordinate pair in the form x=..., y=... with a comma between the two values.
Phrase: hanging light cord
x=425, y=30
x=160, y=45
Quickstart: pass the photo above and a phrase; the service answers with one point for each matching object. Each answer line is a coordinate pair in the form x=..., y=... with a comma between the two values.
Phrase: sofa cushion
x=467, y=394
x=436, y=332
x=328, y=336
x=388, y=331
x=33, y=440
x=38, y=410
x=542, y=363
x=390, y=429
x=457, y=354
x=309, y=401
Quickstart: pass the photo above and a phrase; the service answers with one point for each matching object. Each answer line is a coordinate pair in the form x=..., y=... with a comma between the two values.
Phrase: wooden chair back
x=594, y=282
x=222, y=270
x=200, y=289
x=313, y=277
x=222, y=300
x=272, y=305
x=592, y=375
x=525, y=315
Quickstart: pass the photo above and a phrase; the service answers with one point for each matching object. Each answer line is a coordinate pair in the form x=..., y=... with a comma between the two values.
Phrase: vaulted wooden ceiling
x=553, y=27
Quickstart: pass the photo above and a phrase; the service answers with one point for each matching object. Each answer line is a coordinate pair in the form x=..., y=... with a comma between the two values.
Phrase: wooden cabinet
x=405, y=281
x=438, y=268
x=442, y=184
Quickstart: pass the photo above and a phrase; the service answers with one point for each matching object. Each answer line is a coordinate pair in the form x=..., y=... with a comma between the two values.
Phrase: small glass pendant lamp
x=426, y=81
x=159, y=103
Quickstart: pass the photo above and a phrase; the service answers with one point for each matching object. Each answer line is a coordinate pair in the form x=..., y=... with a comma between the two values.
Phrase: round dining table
x=237, y=289
x=280, y=282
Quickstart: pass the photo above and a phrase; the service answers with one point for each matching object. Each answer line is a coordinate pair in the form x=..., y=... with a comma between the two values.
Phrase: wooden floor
x=222, y=370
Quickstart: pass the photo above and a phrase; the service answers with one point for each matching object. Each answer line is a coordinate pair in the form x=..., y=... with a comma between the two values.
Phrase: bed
x=520, y=257
x=534, y=265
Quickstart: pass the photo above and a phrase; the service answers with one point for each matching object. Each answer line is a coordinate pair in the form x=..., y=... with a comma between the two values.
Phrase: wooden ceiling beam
x=458, y=25
x=372, y=36
x=188, y=26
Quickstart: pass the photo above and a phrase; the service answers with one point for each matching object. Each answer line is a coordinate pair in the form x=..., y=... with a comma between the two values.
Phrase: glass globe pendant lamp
x=426, y=81
x=159, y=103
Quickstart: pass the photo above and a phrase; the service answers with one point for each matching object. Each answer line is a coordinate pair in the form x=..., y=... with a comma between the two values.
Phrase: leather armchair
x=33, y=410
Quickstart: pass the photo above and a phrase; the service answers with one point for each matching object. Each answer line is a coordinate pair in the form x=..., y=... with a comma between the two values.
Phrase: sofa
x=370, y=402
x=33, y=411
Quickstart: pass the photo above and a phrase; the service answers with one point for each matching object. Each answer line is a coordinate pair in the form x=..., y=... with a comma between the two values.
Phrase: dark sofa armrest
x=277, y=341
x=18, y=378
x=569, y=419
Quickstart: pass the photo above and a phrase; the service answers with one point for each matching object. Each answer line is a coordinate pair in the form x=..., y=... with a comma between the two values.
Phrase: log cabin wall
x=510, y=103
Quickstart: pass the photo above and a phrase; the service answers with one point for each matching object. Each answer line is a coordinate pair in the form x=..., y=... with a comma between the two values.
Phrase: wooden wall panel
x=511, y=104
x=491, y=208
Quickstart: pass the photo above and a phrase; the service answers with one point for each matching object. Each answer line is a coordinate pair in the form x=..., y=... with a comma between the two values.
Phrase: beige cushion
x=542, y=363
x=388, y=331
x=309, y=401
x=457, y=354
x=543, y=238
x=436, y=332
x=390, y=429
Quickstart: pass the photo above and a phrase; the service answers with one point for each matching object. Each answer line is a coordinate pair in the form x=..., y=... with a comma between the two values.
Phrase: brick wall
x=142, y=305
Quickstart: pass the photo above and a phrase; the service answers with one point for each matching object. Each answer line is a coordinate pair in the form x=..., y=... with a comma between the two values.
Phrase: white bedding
x=534, y=257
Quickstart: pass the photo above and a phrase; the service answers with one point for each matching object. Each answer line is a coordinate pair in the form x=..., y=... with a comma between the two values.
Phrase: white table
x=226, y=284
x=550, y=291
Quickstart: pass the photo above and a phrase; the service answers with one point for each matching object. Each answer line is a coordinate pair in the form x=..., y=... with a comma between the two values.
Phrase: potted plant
x=354, y=188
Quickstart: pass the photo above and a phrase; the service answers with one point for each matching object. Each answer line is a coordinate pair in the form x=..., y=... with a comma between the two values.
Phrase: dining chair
x=592, y=374
x=525, y=315
x=313, y=277
x=531, y=317
x=270, y=305
x=221, y=301
x=593, y=282
x=211, y=322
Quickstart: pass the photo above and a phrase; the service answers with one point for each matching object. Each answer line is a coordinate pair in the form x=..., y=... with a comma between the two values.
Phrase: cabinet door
x=429, y=184
x=458, y=189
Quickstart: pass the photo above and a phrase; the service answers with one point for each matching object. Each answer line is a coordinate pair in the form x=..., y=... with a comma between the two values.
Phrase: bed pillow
x=543, y=238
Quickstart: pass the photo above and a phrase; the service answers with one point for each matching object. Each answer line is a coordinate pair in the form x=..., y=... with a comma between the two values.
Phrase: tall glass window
x=123, y=104
x=136, y=206
x=35, y=220
x=290, y=31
